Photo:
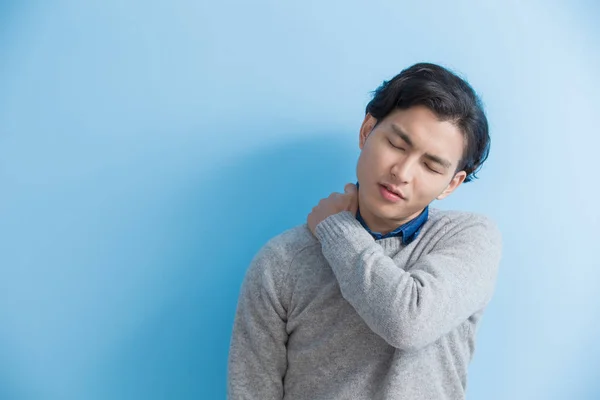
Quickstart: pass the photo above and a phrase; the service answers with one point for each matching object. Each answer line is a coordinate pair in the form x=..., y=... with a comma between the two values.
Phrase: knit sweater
x=341, y=315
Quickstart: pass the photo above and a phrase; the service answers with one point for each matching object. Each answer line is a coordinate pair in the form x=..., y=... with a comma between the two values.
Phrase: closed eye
x=432, y=170
x=399, y=148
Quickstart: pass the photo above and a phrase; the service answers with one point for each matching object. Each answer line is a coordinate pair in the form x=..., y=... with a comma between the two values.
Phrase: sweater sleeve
x=257, y=355
x=413, y=308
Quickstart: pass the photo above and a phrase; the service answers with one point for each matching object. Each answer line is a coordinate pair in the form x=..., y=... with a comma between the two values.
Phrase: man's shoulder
x=458, y=216
x=459, y=220
x=292, y=241
x=279, y=251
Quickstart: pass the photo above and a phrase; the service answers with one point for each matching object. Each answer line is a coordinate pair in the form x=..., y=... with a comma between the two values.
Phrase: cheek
x=364, y=166
x=424, y=186
x=378, y=159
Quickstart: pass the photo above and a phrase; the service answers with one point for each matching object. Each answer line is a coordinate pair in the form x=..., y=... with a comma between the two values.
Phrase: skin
x=404, y=150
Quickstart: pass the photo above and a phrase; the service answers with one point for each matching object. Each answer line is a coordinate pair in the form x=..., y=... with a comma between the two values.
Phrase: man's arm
x=411, y=309
x=257, y=354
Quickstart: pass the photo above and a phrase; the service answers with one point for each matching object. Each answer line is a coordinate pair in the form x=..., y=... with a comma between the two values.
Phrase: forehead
x=426, y=132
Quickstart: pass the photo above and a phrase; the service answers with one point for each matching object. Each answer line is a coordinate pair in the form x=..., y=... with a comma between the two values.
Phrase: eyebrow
x=398, y=131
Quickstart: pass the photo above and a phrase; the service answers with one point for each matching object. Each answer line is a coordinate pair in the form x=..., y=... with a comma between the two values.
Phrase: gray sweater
x=344, y=316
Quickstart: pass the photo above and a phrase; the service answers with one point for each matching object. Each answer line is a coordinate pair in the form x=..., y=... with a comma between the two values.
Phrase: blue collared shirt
x=408, y=231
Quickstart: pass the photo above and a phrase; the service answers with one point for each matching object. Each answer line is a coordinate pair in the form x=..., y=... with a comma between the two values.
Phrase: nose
x=404, y=169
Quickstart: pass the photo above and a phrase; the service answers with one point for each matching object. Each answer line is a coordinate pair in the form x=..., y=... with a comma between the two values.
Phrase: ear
x=459, y=178
x=365, y=129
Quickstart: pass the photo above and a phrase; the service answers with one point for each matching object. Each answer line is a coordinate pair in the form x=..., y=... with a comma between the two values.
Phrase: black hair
x=449, y=97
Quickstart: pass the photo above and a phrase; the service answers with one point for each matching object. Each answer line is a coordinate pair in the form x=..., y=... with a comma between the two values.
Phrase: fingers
x=350, y=188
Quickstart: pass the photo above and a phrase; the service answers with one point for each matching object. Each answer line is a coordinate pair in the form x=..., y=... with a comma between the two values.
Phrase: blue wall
x=140, y=141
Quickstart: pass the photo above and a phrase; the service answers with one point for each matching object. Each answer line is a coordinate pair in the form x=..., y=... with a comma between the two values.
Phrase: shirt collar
x=408, y=231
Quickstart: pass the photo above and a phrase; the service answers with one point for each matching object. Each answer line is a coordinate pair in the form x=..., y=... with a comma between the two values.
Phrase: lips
x=392, y=189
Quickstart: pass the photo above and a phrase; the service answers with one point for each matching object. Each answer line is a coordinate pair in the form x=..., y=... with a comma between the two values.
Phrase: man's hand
x=335, y=203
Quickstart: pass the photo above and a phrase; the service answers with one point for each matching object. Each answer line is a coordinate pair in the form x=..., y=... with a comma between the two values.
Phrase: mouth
x=391, y=195
x=394, y=191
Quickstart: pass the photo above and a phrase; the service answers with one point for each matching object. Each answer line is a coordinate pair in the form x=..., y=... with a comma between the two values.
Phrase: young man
x=378, y=295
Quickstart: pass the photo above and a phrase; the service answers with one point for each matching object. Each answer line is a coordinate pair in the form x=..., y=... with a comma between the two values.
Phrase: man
x=378, y=295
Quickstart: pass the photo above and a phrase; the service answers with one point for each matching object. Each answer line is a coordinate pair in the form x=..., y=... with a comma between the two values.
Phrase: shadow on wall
x=12, y=385
x=180, y=352
x=8, y=390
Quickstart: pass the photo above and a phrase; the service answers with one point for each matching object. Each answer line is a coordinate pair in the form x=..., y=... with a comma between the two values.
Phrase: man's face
x=414, y=152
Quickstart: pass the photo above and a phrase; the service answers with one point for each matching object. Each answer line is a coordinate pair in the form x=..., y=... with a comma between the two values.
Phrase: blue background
x=148, y=150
